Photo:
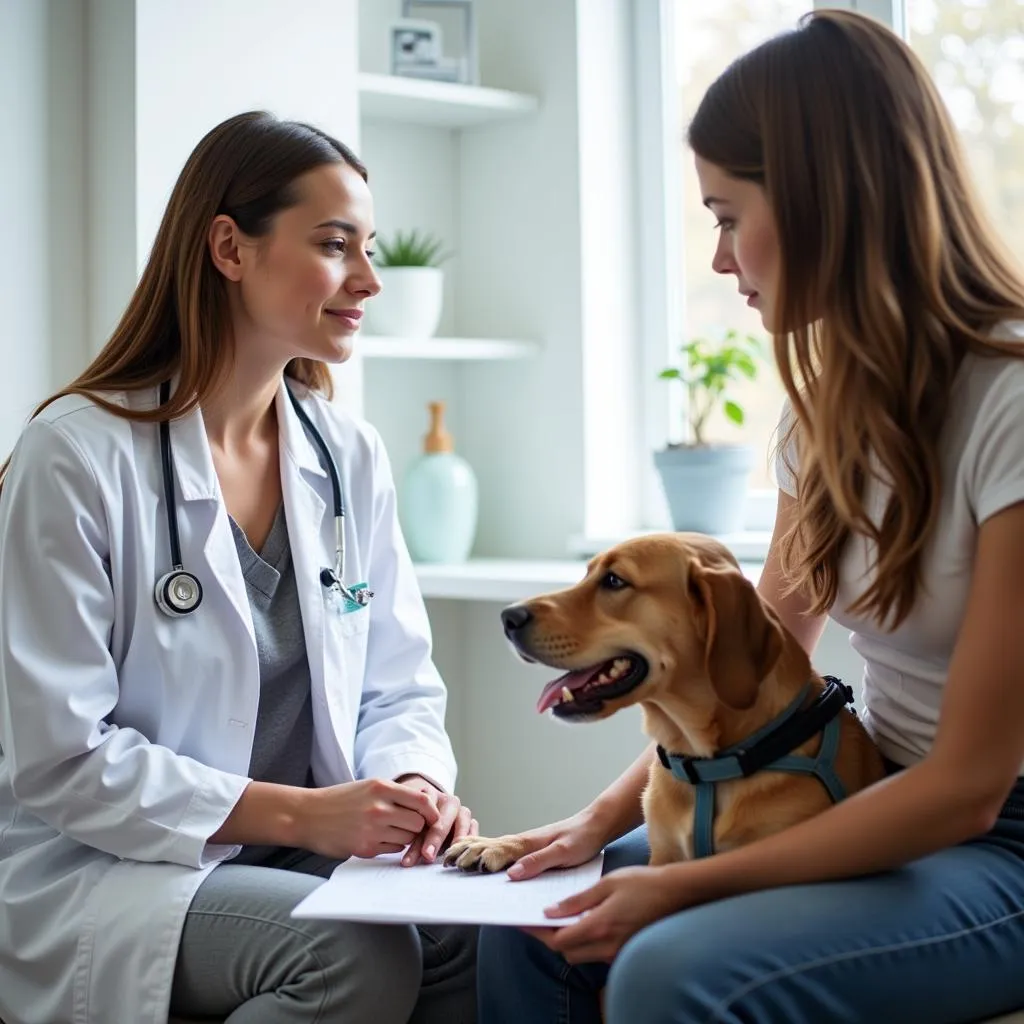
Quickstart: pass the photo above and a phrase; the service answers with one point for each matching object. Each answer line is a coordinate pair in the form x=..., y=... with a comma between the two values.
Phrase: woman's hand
x=564, y=844
x=363, y=819
x=454, y=821
x=614, y=909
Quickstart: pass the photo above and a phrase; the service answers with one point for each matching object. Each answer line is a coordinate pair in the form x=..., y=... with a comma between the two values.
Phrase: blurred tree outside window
x=974, y=50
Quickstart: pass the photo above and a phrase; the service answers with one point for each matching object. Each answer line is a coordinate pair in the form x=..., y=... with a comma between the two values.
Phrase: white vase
x=409, y=304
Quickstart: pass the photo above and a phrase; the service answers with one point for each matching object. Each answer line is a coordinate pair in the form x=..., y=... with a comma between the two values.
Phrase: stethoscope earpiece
x=178, y=592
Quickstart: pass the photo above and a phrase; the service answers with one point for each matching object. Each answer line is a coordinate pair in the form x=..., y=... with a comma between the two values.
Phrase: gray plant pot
x=706, y=487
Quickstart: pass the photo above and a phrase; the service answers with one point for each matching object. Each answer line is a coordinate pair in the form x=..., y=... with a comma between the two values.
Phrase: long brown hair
x=890, y=274
x=177, y=318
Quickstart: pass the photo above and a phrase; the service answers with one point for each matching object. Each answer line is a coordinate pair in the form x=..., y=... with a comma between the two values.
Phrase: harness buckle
x=744, y=761
x=686, y=763
x=679, y=762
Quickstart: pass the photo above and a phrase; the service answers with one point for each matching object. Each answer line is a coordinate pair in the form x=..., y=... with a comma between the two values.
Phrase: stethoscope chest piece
x=178, y=592
x=347, y=599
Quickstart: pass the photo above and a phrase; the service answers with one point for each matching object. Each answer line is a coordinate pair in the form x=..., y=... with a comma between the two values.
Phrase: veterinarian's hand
x=363, y=819
x=454, y=820
x=564, y=844
x=615, y=909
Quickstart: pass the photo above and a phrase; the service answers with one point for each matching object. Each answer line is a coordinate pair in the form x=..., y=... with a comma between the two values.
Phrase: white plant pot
x=706, y=487
x=409, y=304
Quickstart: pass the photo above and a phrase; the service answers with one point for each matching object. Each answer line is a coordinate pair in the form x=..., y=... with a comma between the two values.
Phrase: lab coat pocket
x=347, y=640
x=355, y=623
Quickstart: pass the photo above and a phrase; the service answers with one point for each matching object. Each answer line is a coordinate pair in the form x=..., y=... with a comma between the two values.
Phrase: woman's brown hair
x=890, y=274
x=177, y=318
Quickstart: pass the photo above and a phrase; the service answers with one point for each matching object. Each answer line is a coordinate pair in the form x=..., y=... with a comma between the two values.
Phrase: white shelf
x=506, y=580
x=441, y=104
x=497, y=579
x=379, y=347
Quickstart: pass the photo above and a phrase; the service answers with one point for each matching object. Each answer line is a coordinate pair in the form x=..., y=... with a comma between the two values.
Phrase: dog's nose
x=515, y=617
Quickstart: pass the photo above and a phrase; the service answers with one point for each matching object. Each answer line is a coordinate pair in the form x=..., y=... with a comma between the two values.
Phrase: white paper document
x=382, y=891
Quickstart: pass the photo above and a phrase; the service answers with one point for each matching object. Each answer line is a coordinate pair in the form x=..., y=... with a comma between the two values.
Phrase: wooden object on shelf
x=438, y=438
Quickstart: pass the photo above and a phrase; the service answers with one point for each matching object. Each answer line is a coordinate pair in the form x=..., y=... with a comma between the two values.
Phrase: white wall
x=66, y=195
x=24, y=256
x=197, y=63
x=42, y=291
x=374, y=18
x=521, y=277
x=112, y=224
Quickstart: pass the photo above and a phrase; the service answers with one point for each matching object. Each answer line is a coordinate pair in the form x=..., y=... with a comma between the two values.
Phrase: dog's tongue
x=551, y=694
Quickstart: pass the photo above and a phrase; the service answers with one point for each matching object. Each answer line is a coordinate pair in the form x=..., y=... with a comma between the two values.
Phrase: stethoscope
x=179, y=592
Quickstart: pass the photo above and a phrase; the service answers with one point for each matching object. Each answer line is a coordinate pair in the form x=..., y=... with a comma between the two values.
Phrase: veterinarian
x=846, y=216
x=202, y=710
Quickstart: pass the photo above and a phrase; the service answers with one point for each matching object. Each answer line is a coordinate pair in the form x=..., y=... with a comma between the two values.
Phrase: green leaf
x=746, y=365
x=734, y=412
x=410, y=249
x=709, y=368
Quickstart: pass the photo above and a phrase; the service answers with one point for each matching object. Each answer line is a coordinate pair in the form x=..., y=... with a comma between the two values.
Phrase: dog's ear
x=744, y=639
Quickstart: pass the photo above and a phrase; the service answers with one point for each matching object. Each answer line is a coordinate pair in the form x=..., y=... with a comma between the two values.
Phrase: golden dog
x=670, y=622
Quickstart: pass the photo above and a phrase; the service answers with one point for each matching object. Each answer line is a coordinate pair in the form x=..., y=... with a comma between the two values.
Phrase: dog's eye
x=609, y=581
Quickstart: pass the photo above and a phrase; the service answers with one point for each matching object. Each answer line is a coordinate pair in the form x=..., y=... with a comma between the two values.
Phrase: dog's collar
x=770, y=747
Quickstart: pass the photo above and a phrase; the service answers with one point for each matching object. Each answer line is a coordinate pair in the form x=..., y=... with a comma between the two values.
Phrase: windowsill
x=747, y=545
x=512, y=579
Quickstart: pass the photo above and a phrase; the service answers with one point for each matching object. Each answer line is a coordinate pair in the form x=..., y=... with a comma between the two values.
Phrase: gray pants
x=244, y=960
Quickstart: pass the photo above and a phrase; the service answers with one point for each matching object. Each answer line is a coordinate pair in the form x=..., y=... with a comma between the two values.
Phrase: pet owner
x=201, y=712
x=846, y=216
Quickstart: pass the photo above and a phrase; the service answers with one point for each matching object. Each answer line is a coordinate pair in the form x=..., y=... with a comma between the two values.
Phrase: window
x=708, y=37
x=974, y=50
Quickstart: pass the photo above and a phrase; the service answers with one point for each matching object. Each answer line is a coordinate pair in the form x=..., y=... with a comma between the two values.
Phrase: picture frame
x=460, y=66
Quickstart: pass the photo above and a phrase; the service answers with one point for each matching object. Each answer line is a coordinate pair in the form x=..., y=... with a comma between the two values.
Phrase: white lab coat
x=126, y=734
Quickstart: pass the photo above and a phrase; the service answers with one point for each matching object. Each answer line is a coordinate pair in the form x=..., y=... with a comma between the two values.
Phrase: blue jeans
x=940, y=941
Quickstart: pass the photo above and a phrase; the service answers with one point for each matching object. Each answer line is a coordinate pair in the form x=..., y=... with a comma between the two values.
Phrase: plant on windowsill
x=409, y=305
x=705, y=484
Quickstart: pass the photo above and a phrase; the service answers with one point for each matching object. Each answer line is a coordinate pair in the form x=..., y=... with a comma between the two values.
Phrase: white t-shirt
x=982, y=459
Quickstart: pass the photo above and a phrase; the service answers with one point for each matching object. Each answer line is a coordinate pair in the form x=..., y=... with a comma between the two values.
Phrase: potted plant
x=409, y=305
x=705, y=484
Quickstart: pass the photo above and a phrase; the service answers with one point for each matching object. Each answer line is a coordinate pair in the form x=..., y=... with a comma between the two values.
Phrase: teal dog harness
x=768, y=749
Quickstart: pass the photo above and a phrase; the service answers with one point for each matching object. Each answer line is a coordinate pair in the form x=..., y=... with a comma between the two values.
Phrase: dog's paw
x=484, y=855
